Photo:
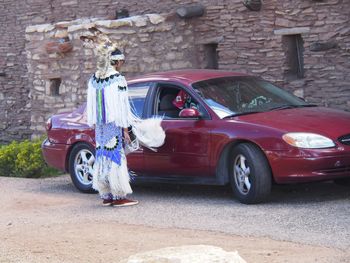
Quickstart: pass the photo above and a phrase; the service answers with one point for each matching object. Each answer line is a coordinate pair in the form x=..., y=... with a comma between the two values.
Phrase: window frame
x=293, y=46
x=154, y=96
x=146, y=103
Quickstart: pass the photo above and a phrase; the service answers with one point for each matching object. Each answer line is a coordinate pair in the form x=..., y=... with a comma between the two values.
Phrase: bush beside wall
x=24, y=159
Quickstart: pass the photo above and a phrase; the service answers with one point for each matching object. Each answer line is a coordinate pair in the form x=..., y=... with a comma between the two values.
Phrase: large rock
x=187, y=254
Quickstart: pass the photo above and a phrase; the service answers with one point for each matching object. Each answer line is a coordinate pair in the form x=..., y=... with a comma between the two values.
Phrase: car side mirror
x=189, y=113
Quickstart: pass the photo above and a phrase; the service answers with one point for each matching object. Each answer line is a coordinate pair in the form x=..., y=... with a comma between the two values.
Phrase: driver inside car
x=184, y=101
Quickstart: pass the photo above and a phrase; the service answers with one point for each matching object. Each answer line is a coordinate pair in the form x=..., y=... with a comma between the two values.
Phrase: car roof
x=185, y=76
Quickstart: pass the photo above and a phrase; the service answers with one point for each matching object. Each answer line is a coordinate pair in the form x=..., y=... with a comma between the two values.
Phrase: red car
x=231, y=128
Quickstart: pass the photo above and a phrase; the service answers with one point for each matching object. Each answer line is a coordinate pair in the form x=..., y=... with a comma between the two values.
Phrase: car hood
x=325, y=121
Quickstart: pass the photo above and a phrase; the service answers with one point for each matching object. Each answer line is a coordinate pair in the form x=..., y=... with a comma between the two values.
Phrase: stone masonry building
x=301, y=45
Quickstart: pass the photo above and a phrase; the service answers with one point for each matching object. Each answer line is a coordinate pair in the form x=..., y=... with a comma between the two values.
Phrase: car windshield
x=233, y=96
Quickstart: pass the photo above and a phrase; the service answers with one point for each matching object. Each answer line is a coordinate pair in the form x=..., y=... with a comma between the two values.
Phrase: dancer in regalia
x=109, y=111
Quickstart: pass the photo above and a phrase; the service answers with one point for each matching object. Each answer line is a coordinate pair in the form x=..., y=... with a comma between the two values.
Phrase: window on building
x=211, y=56
x=55, y=84
x=294, y=48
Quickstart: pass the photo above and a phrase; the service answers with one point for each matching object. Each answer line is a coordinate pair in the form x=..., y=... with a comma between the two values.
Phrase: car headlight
x=307, y=140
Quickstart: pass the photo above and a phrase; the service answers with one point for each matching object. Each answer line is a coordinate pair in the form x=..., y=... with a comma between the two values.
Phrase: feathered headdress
x=105, y=50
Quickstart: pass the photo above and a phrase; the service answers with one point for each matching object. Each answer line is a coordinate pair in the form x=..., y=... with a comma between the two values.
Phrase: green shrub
x=8, y=155
x=24, y=159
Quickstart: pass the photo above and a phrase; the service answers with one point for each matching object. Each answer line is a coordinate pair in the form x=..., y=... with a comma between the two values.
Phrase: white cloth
x=117, y=107
x=108, y=98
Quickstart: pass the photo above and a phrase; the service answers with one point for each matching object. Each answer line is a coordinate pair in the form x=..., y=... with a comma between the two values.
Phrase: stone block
x=118, y=31
x=170, y=56
x=42, y=66
x=63, y=25
x=148, y=59
x=309, y=10
x=292, y=31
x=144, y=39
x=34, y=38
x=78, y=27
x=155, y=19
x=54, y=55
x=319, y=23
x=68, y=3
x=181, y=64
x=89, y=65
x=161, y=28
x=104, y=23
x=284, y=22
x=39, y=88
x=76, y=76
x=261, y=70
x=61, y=34
x=140, y=21
x=40, y=127
x=185, y=254
x=121, y=22
x=165, y=66
x=178, y=39
x=40, y=28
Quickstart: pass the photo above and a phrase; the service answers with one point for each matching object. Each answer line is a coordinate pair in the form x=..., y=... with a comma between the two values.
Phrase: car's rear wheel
x=250, y=174
x=81, y=163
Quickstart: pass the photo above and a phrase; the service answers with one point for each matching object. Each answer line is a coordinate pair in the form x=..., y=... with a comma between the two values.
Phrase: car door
x=186, y=148
x=138, y=94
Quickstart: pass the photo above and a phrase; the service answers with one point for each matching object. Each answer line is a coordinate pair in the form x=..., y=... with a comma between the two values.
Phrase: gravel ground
x=47, y=220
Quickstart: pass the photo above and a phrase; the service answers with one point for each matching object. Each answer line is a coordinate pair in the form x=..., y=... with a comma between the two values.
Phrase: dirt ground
x=43, y=226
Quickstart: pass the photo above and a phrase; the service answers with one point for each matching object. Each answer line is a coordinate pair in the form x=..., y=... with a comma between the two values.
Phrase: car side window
x=137, y=95
x=172, y=99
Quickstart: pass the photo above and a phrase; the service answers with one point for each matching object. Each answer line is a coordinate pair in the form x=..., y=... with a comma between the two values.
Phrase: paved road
x=314, y=214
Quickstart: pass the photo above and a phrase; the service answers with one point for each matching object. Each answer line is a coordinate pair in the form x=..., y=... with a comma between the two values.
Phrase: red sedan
x=221, y=127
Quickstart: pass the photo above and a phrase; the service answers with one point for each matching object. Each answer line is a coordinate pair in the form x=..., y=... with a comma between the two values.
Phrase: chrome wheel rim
x=241, y=174
x=83, y=166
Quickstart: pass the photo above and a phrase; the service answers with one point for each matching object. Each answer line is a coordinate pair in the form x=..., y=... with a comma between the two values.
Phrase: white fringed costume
x=109, y=110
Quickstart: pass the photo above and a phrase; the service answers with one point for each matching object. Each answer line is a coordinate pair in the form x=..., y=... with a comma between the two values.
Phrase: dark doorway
x=294, y=49
x=211, y=56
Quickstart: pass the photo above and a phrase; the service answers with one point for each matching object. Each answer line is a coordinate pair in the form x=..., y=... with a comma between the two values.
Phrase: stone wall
x=14, y=108
x=246, y=41
x=153, y=42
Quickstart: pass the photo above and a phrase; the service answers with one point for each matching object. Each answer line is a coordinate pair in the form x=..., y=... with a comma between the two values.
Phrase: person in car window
x=108, y=110
x=184, y=101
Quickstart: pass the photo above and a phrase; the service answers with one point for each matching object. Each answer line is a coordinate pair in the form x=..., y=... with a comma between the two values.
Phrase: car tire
x=343, y=181
x=81, y=161
x=250, y=174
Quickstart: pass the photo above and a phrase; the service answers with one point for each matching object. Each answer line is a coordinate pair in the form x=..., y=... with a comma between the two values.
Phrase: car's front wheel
x=81, y=163
x=250, y=174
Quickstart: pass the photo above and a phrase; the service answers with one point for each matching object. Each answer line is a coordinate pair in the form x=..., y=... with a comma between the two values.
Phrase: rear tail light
x=48, y=125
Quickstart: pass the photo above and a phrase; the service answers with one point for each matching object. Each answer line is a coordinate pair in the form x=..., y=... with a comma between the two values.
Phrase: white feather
x=149, y=132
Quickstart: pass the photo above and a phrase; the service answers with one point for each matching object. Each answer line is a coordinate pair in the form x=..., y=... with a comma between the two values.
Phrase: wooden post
x=253, y=5
x=190, y=11
x=319, y=46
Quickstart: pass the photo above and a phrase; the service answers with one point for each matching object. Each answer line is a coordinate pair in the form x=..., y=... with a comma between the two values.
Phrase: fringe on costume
x=108, y=101
x=109, y=177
